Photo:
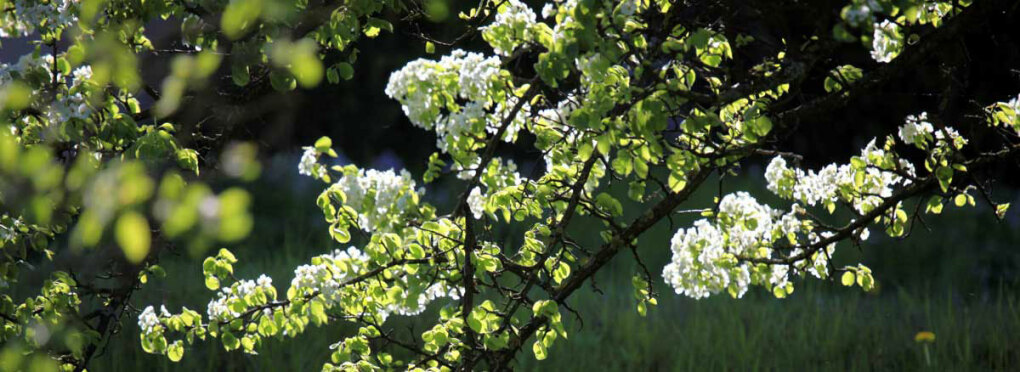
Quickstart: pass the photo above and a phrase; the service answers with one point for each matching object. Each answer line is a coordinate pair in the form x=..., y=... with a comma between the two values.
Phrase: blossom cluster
x=863, y=183
x=327, y=272
x=705, y=256
x=71, y=104
x=149, y=322
x=1006, y=113
x=21, y=18
x=429, y=92
x=716, y=255
x=511, y=28
x=887, y=42
x=308, y=165
x=231, y=301
x=476, y=202
x=918, y=131
x=328, y=278
x=379, y=197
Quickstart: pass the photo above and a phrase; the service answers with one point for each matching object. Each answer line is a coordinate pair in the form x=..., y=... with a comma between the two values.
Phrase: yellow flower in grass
x=925, y=337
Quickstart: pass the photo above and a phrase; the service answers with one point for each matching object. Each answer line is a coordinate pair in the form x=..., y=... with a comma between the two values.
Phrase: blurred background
x=956, y=276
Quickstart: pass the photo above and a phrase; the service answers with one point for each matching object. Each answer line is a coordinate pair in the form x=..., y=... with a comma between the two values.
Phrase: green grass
x=958, y=280
x=815, y=329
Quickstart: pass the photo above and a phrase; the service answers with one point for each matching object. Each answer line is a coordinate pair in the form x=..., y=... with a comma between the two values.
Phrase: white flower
x=23, y=17
x=391, y=195
x=916, y=130
x=421, y=85
x=264, y=281
x=1014, y=104
x=864, y=233
x=755, y=226
x=705, y=256
x=548, y=10
x=776, y=176
x=813, y=188
x=694, y=271
x=306, y=166
x=957, y=140
x=887, y=42
x=82, y=74
x=147, y=320
x=511, y=28
x=476, y=202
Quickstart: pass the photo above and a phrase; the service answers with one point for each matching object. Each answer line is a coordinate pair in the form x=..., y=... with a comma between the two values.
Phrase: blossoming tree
x=654, y=95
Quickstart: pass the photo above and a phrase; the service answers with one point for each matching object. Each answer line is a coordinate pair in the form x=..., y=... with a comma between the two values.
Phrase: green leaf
x=212, y=283
x=239, y=16
x=134, y=236
x=945, y=177
x=622, y=164
x=562, y=272
x=63, y=66
x=318, y=312
x=346, y=70
x=188, y=159
x=239, y=73
x=960, y=200
x=848, y=278
x=539, y=349
x=282, y=81
x=175, y=351
x=248, y=344
x=934, y=205
x=1000, y=210
x=778, y=291
x=609, y=203
x=307, y=68
x=323, y=144
x=375, y=25
x=676, y=182
x=604, y=144
x=230, y=342
x=17, y=96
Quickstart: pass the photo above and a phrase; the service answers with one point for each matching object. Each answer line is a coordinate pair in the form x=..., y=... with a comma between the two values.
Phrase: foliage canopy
x=650, y=96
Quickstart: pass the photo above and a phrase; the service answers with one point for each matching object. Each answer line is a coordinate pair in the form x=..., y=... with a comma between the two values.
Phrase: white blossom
x=777, y=176
x=379, y=197
x=510, y=28
x=705, y=257
x=548, y=10
x=887, y=41
x=916, y=129
x=420, y=85
x=264, y=281
x=329, y=279
x=219, y=308
x=23, y=17
x=957, y=140
x=476, y=202
x=147, y=320
x=694, y=270
x=306, y=167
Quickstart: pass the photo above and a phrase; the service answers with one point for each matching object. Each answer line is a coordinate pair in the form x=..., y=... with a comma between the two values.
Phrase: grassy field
x=958, y=278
